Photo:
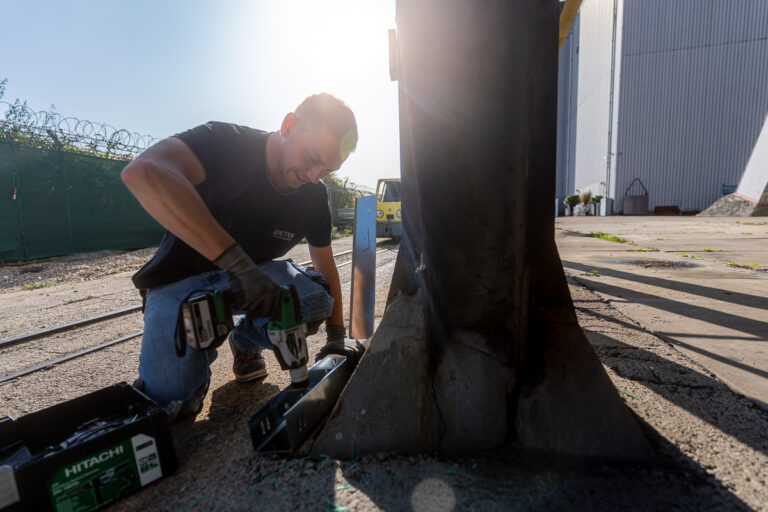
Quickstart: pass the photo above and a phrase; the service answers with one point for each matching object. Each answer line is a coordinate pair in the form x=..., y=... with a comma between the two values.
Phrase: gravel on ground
x=712, y=443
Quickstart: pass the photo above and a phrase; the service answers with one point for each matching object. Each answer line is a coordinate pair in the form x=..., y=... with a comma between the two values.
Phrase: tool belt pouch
x=204, y=321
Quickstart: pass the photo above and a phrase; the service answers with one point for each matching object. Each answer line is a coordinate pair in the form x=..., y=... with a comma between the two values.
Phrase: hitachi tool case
x=85, y=453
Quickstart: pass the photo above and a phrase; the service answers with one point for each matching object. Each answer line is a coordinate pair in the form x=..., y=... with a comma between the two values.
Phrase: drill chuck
x=299, y=377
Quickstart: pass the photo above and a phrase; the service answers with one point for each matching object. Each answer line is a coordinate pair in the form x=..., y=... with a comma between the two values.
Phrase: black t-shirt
x=237, y=191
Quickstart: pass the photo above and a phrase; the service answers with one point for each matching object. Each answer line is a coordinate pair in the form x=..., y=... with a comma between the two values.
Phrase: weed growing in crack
x=609, y=238
x=749, y=266
x=36, y=286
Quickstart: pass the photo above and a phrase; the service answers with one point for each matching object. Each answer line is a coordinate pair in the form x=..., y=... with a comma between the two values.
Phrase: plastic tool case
x=84, y=453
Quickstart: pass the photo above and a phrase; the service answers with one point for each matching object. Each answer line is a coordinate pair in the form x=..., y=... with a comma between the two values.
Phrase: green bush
x=572, y=200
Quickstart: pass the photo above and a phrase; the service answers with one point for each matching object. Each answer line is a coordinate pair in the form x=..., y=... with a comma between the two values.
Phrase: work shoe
x=189, y=408
x=247, y=367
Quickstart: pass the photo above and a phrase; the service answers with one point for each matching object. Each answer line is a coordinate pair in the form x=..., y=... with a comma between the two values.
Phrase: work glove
x=337, y=343
x=253, y=290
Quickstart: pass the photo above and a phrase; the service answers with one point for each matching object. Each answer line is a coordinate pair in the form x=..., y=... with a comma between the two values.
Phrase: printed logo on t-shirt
x=283, y=235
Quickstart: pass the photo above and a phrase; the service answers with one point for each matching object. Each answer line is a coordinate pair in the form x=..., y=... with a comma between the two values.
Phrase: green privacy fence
x=55, y=202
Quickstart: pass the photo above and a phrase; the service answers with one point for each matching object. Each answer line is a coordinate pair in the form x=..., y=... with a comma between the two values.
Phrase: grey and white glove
x=254, y=291
x=337, y=343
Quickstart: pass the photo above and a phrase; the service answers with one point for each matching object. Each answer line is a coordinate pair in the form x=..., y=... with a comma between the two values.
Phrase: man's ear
x=289, y=124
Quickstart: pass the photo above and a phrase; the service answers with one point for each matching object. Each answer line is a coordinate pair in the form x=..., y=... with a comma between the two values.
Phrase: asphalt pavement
x=699, y=283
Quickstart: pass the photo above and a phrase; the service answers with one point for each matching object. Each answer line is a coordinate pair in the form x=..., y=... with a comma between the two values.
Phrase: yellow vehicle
x=388, y=211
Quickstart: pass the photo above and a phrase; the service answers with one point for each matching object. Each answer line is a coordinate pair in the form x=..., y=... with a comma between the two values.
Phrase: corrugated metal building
x=673, y=92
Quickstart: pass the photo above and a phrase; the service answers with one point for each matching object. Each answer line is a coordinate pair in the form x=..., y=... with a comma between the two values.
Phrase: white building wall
x=567, y=90
x=754, y=182
x=594, y=92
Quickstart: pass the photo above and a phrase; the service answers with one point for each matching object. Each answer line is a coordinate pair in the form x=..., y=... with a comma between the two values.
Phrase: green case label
x=105, y=476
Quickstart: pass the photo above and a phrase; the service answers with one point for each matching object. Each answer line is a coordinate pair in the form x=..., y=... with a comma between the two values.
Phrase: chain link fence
x=61, y=193
x=341, y=200
x=60, y=187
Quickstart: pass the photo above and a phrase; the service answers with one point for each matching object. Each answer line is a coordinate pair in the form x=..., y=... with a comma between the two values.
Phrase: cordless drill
x=288, y=334
x=207, y=321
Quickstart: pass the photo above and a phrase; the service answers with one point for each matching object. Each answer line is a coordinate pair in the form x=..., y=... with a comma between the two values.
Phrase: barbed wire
x=19, y=123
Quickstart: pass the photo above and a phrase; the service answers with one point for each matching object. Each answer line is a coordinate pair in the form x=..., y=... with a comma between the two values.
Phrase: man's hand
x=337, y=343
x=255, y=292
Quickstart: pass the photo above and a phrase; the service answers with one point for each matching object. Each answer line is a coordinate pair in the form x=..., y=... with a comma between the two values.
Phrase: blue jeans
x=168, y=377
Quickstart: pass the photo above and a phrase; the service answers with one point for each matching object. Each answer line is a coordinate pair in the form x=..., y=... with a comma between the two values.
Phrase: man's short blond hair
x=327, y=110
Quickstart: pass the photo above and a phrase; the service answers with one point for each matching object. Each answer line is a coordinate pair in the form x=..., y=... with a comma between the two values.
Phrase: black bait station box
x=84, y=453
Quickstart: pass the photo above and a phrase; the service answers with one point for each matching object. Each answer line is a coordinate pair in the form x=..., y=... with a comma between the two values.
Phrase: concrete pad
x=713, y=311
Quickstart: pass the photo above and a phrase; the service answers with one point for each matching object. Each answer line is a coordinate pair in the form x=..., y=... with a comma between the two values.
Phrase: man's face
x=307, y=154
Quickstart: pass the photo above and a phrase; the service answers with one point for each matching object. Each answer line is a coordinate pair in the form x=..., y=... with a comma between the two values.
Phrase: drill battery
x=207, y=319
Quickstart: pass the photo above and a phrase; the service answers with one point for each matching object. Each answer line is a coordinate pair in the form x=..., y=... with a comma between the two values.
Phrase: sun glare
x=339, y=42
x=291, y=48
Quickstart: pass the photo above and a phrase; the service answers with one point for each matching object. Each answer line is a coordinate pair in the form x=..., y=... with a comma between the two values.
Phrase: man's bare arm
x=322, y=259
x=163, y=179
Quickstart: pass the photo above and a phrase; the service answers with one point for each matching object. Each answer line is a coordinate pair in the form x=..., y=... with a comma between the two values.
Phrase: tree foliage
x=341, y=194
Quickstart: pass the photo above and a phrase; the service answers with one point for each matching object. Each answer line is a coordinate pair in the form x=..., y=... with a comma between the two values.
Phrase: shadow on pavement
x=510, y=481
x=744, y=324
x=231, y=405
x=668, y=337
x=716, y=357
x=699, y=394
x=743, y=299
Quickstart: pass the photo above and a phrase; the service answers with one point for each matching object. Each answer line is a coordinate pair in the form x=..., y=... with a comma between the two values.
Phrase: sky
x=162, y=66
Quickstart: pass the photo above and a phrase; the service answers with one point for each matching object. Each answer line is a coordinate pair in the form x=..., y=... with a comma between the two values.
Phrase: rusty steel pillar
x=479, y=346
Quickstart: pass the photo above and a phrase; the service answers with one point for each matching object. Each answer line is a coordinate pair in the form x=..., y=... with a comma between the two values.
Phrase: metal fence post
x=17, y=198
